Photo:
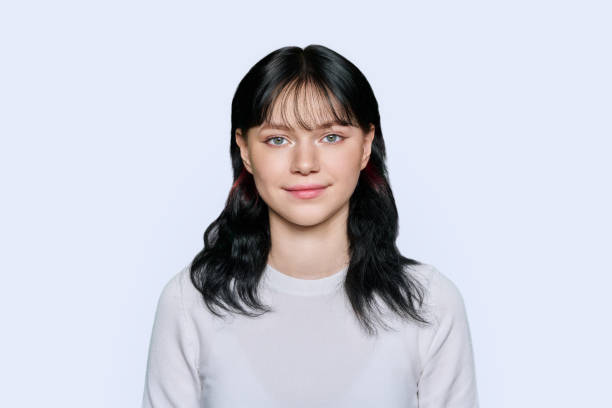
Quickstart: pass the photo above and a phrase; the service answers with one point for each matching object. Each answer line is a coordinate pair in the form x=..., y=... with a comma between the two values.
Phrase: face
x=282, y=158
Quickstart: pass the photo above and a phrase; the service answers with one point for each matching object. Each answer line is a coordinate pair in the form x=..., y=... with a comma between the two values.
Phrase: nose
x=305, y=158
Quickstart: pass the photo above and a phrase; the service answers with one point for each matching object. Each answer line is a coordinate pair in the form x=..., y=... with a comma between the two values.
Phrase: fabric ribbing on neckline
x=282, y=282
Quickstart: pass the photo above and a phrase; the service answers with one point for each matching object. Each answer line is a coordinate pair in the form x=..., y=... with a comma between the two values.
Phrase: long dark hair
x=228, y=269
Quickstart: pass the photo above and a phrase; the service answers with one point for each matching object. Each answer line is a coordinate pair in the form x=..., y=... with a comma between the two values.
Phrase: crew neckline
x=303, y=287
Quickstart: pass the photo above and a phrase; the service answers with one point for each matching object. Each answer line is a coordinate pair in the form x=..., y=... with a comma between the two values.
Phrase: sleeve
x=172, y=378
x=448, y=377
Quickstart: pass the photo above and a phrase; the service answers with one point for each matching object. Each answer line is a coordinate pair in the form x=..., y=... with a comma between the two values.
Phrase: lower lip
x=307, y=193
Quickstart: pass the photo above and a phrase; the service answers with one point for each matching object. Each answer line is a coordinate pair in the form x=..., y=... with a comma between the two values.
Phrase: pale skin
x=308, y=236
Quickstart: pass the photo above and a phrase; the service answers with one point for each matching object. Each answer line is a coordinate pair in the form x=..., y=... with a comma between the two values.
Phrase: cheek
x=268, y=171
x=345, y=164
x=344, y=175
x=342, y=171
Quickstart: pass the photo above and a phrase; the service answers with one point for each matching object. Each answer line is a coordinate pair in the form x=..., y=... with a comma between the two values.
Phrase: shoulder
x=179, y=295
x=442, y=296
x=180, y=289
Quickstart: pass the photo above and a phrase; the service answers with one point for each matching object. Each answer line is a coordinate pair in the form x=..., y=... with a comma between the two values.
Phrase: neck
x=309, y=251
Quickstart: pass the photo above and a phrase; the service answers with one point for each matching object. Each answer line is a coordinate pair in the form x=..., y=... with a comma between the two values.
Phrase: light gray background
x=115, y=121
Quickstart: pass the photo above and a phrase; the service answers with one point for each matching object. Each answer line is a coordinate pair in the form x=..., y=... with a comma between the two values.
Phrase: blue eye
x=275, y=138
x=337, y=140
x=279, y=139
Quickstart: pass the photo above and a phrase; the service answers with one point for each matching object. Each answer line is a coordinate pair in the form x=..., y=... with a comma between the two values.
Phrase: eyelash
x=282, y=137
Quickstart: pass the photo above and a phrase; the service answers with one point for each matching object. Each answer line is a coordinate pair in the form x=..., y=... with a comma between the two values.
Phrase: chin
x=309, y=223
x=305, y=218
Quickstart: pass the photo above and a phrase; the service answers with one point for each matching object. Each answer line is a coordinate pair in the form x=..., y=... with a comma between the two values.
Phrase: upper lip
x=305, y=187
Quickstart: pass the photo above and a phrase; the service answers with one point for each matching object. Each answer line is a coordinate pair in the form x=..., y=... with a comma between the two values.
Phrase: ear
x=241, y=141
x=367, y=146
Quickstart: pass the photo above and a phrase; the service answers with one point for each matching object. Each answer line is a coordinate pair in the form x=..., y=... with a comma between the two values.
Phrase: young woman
x=300, y=296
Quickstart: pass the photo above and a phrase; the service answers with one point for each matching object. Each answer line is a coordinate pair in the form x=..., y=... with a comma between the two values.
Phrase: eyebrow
x=325, y=125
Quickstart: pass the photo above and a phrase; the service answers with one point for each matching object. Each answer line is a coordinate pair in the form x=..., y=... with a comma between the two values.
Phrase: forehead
x=305, y=106
x=319, y=126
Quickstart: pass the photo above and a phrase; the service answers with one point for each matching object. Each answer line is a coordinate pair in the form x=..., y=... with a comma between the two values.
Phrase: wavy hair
x=227, y=271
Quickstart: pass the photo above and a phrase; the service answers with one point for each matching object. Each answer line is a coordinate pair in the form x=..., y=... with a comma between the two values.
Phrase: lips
x=306, y=191
x=299, y=187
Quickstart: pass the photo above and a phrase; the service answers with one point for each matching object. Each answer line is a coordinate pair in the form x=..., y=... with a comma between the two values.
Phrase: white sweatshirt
x=310, y=351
